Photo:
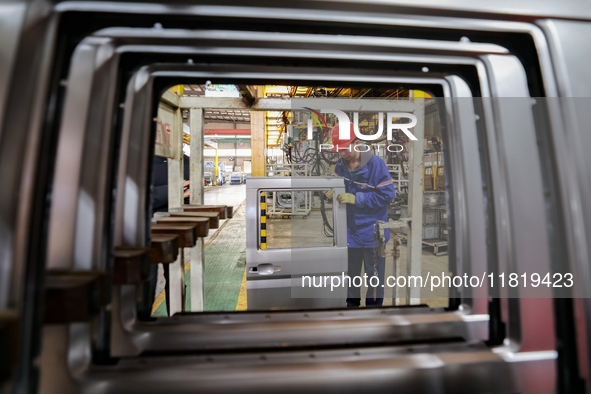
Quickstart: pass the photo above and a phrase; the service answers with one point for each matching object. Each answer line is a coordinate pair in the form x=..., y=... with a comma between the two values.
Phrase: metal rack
x=396, y=173
x=303, y=169
x=289, y=203
x=434, y=223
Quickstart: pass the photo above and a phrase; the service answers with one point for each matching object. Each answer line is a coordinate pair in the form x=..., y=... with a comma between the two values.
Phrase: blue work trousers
x=357, y=256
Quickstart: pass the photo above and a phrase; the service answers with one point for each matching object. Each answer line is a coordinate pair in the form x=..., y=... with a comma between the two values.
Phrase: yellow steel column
x=435, y=169
x=257, y=142
x=215, y=163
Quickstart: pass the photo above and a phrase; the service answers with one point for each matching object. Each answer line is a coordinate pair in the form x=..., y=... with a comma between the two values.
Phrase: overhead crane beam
x=336, y=92
x=290, y=104
x=363, y=93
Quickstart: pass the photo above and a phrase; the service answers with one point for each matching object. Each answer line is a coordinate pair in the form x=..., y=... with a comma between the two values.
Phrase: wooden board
x=130, y=265
x=186, y=233
x=165, y=248
x=221, y=209
x=214, y=217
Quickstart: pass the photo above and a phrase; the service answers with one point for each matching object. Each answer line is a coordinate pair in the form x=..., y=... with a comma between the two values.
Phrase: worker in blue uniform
x=369, y=190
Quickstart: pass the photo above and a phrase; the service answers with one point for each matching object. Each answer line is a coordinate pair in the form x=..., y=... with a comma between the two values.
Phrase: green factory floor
x=225, y=262
x=225, y=257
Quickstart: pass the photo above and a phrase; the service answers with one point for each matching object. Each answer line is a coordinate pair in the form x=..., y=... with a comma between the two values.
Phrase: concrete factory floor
x=225, y=251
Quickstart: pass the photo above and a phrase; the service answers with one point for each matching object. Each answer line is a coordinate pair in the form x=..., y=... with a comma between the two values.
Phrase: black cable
x=326, y=228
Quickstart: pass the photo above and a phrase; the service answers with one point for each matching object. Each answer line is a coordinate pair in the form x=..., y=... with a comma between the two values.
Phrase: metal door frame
x=25, y=205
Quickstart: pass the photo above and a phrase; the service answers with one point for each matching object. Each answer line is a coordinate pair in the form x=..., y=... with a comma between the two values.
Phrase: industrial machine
x=236, y=178
x=208, y=178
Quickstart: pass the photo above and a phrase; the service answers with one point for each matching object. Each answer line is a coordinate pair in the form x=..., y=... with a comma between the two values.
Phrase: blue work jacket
x=374, y=190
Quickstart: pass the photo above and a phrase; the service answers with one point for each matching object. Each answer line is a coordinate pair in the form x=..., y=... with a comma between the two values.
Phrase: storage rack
x=288, y=203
